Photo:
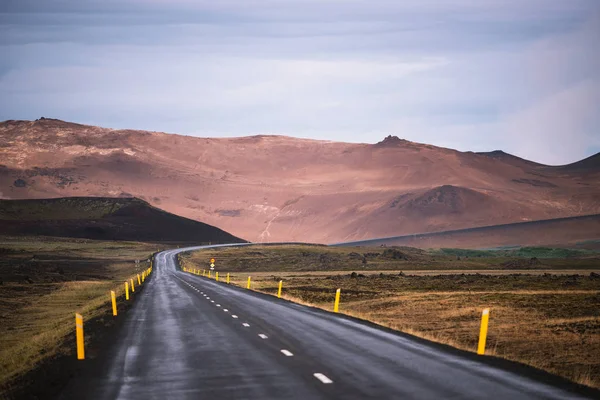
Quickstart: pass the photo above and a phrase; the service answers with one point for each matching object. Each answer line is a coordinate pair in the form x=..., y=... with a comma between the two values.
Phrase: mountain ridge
x=278, y=188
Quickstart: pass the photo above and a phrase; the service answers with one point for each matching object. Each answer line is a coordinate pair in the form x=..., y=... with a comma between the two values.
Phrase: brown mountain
x=275, y=188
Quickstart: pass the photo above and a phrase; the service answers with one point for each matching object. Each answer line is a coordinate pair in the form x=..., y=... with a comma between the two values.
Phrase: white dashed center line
x=225, y=310
x=322, y=378
x=246, y=325
x=212, y=301
x=263, y=336
x=218, y=305
x=234, y=316
x=287, y=352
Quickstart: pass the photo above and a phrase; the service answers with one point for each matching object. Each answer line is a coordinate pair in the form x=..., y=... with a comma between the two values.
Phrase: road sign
x=212, y=266
x=212, y=261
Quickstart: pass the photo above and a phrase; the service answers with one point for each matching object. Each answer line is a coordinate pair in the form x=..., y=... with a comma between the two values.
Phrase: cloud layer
x=523, y=76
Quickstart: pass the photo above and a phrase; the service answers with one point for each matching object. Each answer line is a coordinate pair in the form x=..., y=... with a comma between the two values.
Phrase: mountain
x=276, y=188
x=127, y=219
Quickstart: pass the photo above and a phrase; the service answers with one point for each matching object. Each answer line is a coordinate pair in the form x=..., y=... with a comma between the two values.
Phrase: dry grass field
x=43, y=282
x=545, y=311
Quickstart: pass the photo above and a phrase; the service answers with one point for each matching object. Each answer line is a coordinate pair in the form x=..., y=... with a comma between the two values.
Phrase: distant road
x=189, y=337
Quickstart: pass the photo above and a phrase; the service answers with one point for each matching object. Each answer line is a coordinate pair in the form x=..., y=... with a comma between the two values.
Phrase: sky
x=522, y=76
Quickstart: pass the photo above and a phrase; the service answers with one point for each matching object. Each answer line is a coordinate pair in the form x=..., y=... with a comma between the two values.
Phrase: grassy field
x=296, y=258
x=545, y=311
x=43, y=282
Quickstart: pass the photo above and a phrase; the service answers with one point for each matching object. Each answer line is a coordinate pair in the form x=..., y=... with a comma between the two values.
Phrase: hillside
x=560, y=232
x=128, y=219
x=276, y=188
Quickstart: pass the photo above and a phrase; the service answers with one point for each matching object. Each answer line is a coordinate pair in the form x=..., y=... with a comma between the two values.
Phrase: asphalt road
x=189, y=337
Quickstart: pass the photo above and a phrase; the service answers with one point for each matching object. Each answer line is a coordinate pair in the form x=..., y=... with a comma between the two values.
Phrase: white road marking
x=263, y=336
x=225, y=310
x=246, y=325
x=234, y=316
x=218, y=305
x=287, y=352
x=322, y=378
x=212, y=301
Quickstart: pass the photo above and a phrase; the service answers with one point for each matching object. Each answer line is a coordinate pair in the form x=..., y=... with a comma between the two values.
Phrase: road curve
x=189, y=337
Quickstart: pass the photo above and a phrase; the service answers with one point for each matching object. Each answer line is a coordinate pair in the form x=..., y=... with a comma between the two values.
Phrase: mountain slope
x=275, y=188
x=103, y=218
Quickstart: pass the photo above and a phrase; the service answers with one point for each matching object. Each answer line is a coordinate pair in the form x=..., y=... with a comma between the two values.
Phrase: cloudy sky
x=517, y=75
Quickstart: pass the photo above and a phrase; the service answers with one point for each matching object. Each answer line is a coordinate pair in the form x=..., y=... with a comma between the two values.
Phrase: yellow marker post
x=279, y=290
x=203, y=272
x=248, y=285
x=228, y=277
x=336, y=305
x=217, y=276
x=143, y=276
x=79, y=335
x=132, y=287
x=485, y=317
x=113, y=297
x=126, y=290
x=209, y=273
x=139, y=280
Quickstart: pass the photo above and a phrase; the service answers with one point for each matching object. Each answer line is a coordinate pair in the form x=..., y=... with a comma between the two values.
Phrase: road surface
x=188, y=337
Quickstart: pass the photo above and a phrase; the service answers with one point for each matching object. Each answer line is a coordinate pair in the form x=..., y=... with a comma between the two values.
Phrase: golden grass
x=39, y=316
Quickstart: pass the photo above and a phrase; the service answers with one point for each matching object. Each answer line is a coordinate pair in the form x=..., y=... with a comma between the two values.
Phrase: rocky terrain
x=276, y=188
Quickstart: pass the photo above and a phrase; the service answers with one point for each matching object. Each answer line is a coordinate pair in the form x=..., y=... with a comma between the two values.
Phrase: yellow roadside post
x=279, y=290
x=248, y=285
x=217, y=276
x=79, y=335
x=336, y=305
x=143, y=276
x=113, y=297
x=126, y=290
x=485, y=316
x=139, y=280
x=132, y=287
x=228, y=277
x=209, y=274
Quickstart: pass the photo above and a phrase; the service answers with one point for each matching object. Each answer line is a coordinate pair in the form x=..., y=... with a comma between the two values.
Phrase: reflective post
x=485, y=316
x=79, y=335
x=113, y=297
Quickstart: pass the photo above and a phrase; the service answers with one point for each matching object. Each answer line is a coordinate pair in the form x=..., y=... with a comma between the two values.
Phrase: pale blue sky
x=517, y=75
